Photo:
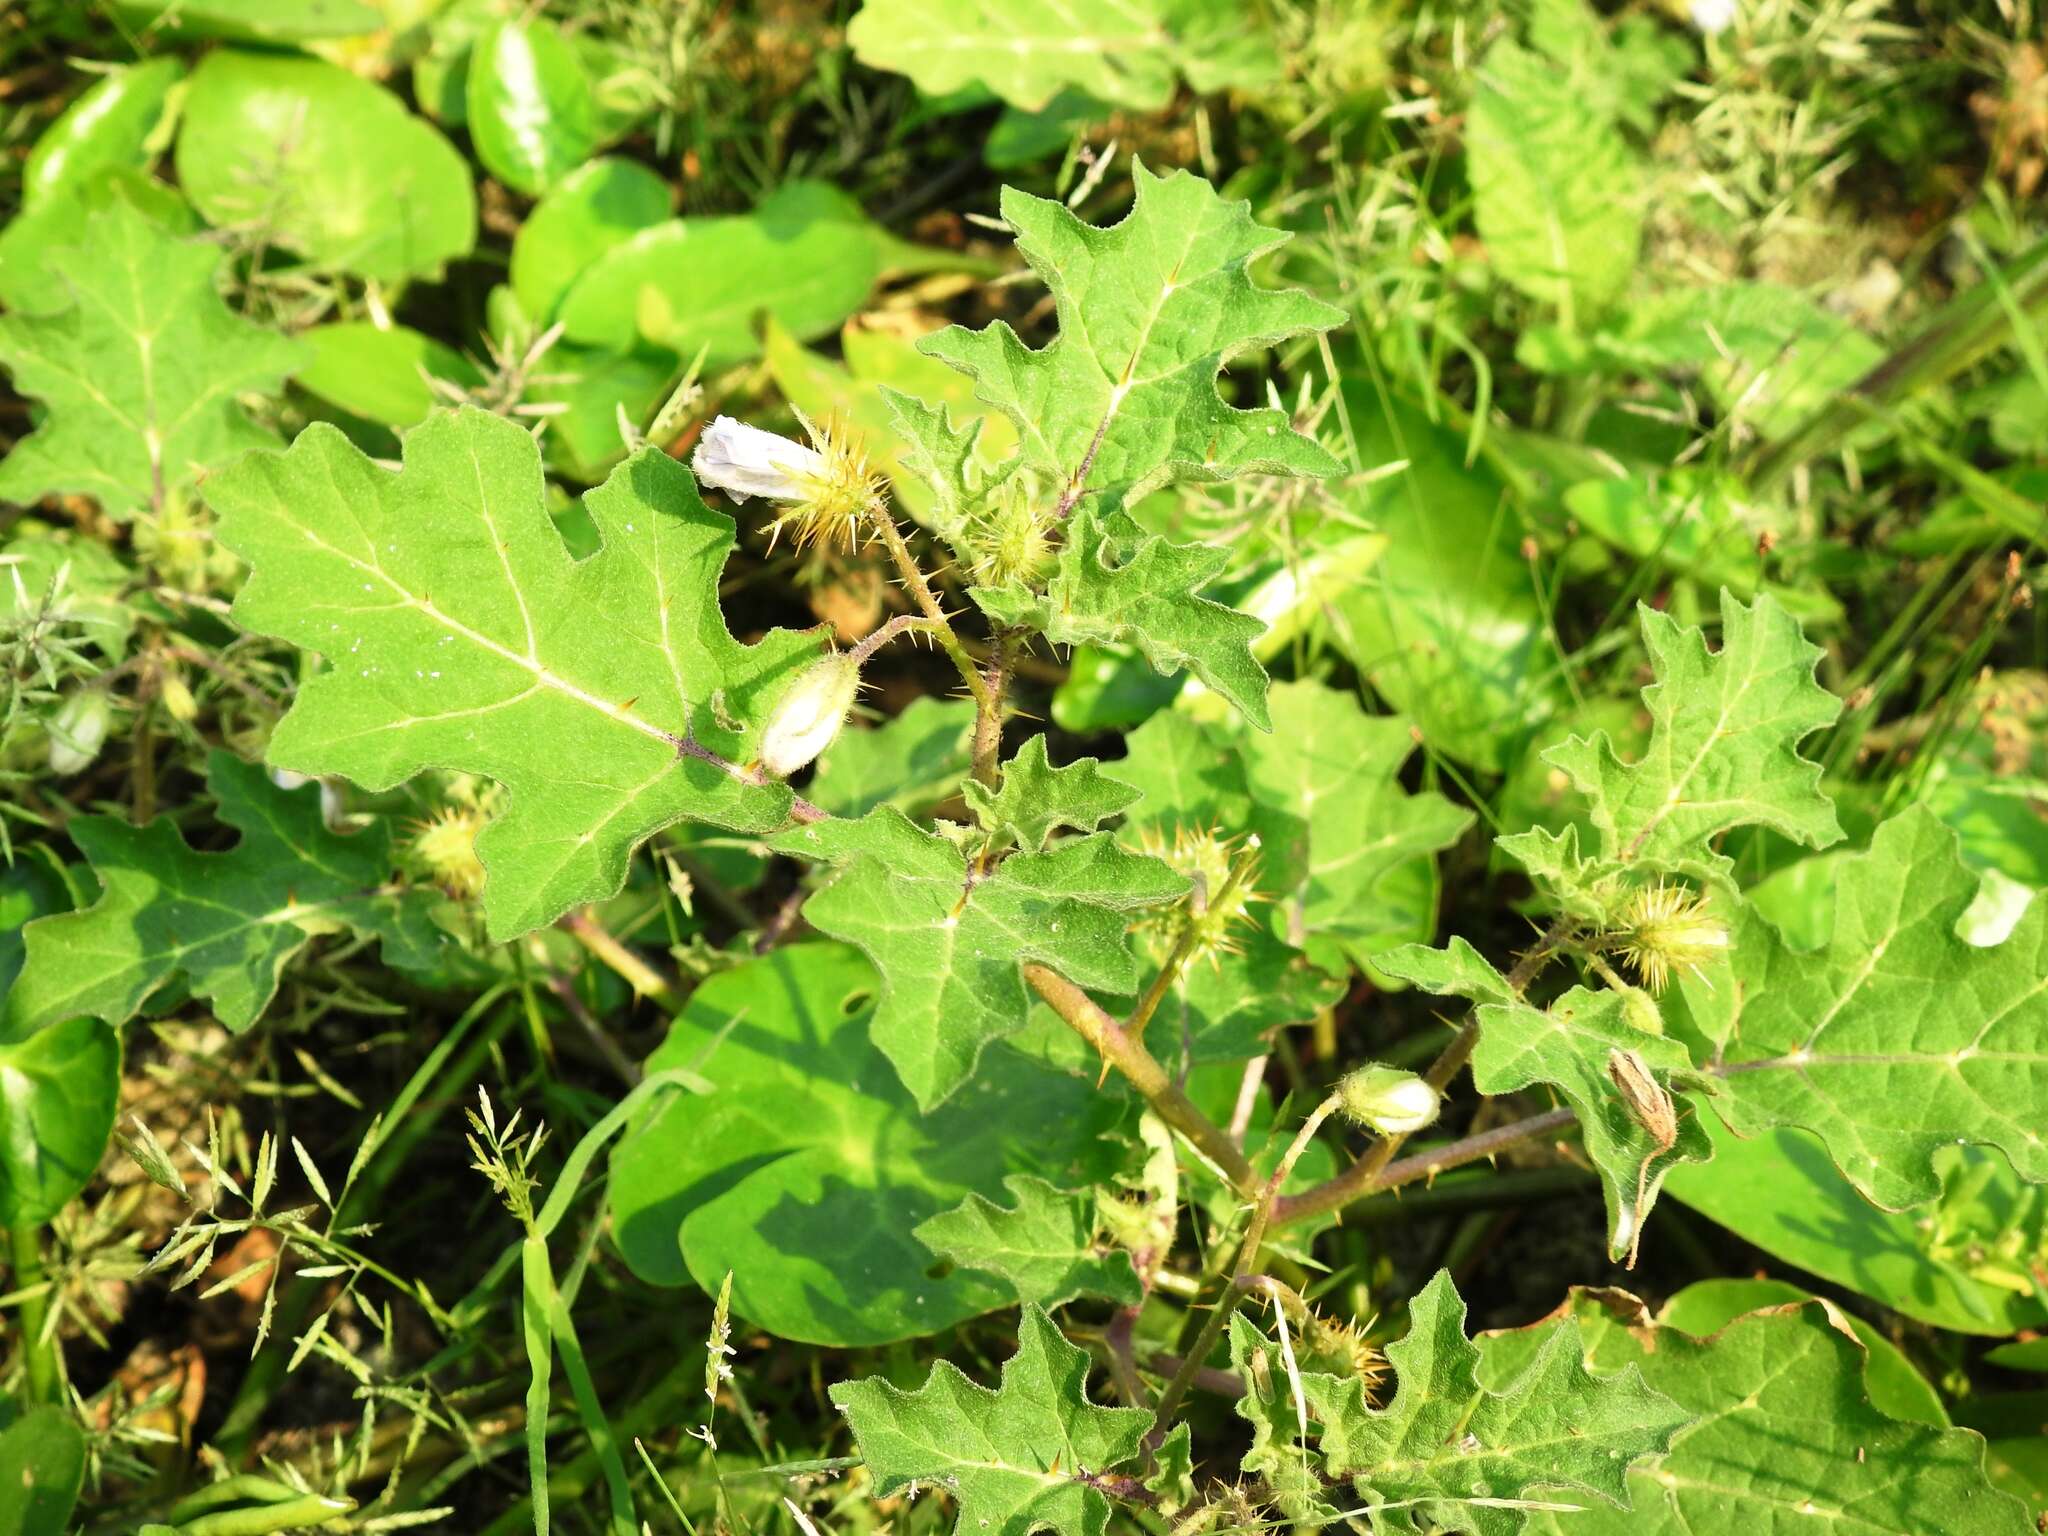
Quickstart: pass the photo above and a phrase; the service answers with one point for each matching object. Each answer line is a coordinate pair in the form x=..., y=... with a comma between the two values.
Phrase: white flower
x=809, y=715
x=1388, y=1100
x=745, y=461
x=1714, y=17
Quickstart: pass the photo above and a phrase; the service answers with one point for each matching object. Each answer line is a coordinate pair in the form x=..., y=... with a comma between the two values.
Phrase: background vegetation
x=1637, y=303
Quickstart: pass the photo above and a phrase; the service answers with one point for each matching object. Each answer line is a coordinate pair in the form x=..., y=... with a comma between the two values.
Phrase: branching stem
x=1128, y=1055
x=1365, y=1176
x=1243, y=1268
x=921, y=593
x=1185, y=946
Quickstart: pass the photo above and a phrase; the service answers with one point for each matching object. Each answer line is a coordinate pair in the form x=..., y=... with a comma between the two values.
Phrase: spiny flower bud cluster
x=443, y=848
x=1220, y=872
x=1665, y=928
x=1013, y=541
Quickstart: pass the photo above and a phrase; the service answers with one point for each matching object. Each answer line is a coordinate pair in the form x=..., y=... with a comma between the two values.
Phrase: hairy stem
x=1245, y=1265
x=1128, y=1055
x=1420, y=1167
x=920, y=590
x=643, y=978
x=1190, y=938
x=988, y=709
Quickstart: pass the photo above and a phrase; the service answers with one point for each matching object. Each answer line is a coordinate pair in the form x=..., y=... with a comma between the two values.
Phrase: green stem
x=927, y=604
x=1367, y=1175
x=1128, y=1055
x=39, y=1353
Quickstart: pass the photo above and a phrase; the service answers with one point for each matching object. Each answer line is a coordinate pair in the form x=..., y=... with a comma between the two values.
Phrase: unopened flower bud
x=177, y=698
x=1641, y=1011
x=809, y=714
x=1388, y=1100
x=78, y=730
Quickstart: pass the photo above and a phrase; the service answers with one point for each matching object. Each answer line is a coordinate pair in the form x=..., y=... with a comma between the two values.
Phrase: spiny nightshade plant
x=1029, y=1139
x=1006, y=1073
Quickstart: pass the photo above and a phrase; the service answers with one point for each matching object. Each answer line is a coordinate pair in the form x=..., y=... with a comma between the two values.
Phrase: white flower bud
x=78, y=730
x=1388, y=1100
x=745, y=461
x=1714, y=16
x=810, y=714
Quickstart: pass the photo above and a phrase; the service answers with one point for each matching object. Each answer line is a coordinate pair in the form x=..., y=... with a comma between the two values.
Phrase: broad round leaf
x=531, y=114
x=585, y=214
x=59, y=1086
x=380, y=372
x=804, y=1173
x=59, y=1091
x=42, y=1465
x=256, y=21
x=1781, y=1191
x=108, y=127
x=807, y=256
x=326, y=164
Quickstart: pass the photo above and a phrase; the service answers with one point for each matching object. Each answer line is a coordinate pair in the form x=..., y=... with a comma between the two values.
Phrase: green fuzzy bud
x=809, y=714
x=1388, y=1100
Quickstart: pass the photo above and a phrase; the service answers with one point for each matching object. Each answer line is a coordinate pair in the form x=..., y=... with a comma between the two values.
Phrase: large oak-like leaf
x=1781, y=1435
x=1569, y=1046
x=458, y=632
x=1895, y=1038
x=140, y=375
x=1451, y=1451
x=1033, y=1455
x=228, y=923
x=1125, y=399
x=951, y=947
x=59, y=1083
x=1723, y=752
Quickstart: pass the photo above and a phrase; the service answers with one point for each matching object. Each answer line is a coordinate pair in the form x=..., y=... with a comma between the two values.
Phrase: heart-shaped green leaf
x=321, y=162
x=807, y=1169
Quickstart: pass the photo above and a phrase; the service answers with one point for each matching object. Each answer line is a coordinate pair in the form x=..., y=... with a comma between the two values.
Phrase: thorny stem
x=1363, y=1177
x=988, y=709
x=1184, y=947
x=921, y=593
x=1128, y=1055
x=903, y=623
x=1245, y=1265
